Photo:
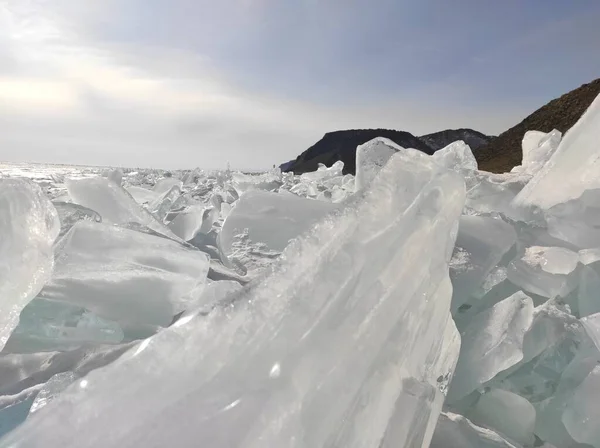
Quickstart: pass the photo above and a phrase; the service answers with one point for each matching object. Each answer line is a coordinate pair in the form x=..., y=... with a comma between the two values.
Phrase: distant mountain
x=341, y=145
x=439, y=140
x=504, y=152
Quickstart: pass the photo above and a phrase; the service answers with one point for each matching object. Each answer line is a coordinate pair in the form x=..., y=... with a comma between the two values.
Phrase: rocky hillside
x=439, y=140
x=504, y=152
x=341, y=145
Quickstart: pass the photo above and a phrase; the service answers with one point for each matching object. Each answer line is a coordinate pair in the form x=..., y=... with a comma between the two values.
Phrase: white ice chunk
x=188, y=223
x=480, y=244
x=592, y=328
x=341, y=346
x=572, y=169
x=52, y=389
x=458, y=157
x=577, y=221
x=246, y=182
x=589, y=256
x=582, y=415
x=538, y=148
x=113, y=203
x=455, y=431
x=46, y=325
x=142, y=195
x=323, y=172
x=494, y=193
x=588, y=294
x=272, y=219
x=491, y=342
x=69, y=214
x=547, y=271
x=554, y=260
x=371, y=157
x=508, y=413
x=164, y=185
x=125, y=275
x=29, y=225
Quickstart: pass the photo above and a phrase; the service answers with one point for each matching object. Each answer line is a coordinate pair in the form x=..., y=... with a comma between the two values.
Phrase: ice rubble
x=343, y=336
x=28, y=226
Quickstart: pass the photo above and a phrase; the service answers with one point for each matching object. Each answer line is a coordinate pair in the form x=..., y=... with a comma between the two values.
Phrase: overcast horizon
x=185, y=83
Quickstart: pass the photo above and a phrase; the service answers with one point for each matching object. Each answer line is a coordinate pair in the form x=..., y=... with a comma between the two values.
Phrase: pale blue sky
x=180, y=83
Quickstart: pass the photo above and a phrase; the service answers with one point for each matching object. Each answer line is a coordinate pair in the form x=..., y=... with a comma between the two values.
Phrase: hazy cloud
x=196, y=82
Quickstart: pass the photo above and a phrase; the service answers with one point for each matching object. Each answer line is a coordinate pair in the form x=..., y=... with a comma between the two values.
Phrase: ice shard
x=572, y=169
x=46, y=325
x=188, y=222
x=29, y=225
x=547, y=271
x=491, y=343
x=538, y=148
x=70, y=213
x=480, y=244
x=371, y=157
x=336, y=343
x=165, y=184
x=124, y=275
x=582, y=414
x=455, y=431
x=142, y=195
x=507, y=413
x=52, y=389
x=458, y=156
x=272, y=219
x=113, y=203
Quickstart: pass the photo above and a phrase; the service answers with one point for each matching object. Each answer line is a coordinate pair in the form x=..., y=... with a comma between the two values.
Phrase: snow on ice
x=422, y=303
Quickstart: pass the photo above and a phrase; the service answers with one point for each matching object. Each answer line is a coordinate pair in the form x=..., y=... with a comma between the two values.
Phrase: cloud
x=253, y=82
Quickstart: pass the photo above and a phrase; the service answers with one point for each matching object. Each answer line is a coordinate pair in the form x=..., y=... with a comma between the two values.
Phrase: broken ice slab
x=538, y=147
x=456, y=431
x=582, y=414
x=124, y=275
x=272, y=219
x=208, y=297
x=507, y=413
x=14, y=409
x=549, y=421
x=323, y=172
x=588, y=294
x=572, y=169
x=494, y=193
x=29, y=225
x=577, y=221
x=321, y=351
x=189, y=222
x=161, y=207
x=142, y=195
x=549, y=347
x=592, y=327
x=113, y=203
x=457, y=156
x=69, y=214
x=546, y=271
x=480, y=245
x=371, y=157
x=22, y=372
x=249, y=182
x=166, y=184
x=491, y=343
x=46, y=325
x=53, y=387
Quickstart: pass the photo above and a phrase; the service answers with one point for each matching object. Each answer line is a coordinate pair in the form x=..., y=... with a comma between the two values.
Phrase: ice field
x=420, y=303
